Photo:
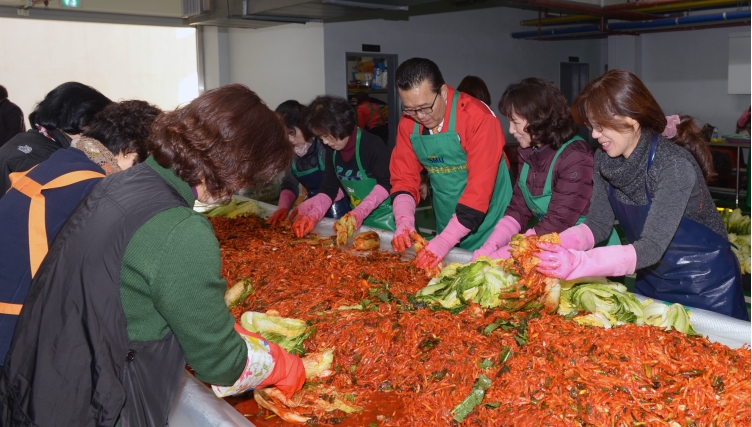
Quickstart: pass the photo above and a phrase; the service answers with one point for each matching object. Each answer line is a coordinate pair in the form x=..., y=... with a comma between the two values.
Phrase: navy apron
x=311, y=180
x=698, y=269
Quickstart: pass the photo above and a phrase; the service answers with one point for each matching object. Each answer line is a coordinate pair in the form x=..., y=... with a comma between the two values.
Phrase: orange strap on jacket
x=37, y=222
x=14, y=309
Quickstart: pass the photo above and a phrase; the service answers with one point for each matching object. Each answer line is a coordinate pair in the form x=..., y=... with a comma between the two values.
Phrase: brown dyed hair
x=226, y=137
x=621, y=93
x=475, y=87
x=690, y=136
x=544, y=108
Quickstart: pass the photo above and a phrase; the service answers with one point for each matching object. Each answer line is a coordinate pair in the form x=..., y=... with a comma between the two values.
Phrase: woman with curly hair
x=556, y=166
x=131, y=288
x=650, y=175
x=41, y=199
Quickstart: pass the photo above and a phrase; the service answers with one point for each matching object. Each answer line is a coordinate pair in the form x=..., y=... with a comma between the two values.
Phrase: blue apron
x=311, y=181
x=698, y=269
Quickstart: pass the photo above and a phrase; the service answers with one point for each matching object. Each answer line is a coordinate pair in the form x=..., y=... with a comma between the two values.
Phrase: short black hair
x=329, y=115
x=3, y=92
x=411, y=73
x=69, y=107
x=123, y=127
x=292, y=112
x=545, y=109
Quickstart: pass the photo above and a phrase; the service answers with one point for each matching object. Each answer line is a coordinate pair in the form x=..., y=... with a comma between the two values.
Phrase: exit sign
x=70, y=3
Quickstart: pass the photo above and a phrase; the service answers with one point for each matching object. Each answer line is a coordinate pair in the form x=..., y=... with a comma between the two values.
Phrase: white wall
x=687, y=72
x=471, y=42
x=155, y=64
x=278, y=63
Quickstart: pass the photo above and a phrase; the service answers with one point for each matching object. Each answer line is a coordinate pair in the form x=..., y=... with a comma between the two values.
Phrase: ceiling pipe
x=641, y=4
x=567, y=6
x=605, y=35
x=669, y=24
x=657, y=6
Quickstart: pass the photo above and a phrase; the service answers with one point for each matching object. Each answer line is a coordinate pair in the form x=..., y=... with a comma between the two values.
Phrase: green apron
x=538, y=205
x=381, y=217
x=299, y=174
x=442, y=155
x=370, y=114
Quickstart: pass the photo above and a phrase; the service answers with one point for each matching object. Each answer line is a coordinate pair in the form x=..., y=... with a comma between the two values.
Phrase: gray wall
x=687, y=72
x=473, y=42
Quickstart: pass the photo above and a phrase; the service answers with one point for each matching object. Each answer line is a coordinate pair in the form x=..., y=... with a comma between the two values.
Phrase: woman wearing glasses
x=650, y=175
x=356, y=161
x=459, y=141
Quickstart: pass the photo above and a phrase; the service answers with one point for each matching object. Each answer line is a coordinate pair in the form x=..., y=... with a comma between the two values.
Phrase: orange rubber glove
x=309, y=213
x=286, y=200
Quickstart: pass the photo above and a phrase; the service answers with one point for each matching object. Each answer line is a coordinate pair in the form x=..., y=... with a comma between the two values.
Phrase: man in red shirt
x=459, y=141
x=369, y=117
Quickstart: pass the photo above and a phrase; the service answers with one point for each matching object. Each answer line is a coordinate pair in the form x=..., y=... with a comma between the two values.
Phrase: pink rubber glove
x=286, y=200
x=568, y=264
x=369, y=203
x=499, y=237
x=340, y=195
x=404, y=220
x=503, y=252
x=309, y=213
x=440, y=245
x=579, y=238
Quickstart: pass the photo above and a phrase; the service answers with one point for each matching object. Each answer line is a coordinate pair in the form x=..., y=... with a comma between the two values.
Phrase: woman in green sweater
x=131, y=288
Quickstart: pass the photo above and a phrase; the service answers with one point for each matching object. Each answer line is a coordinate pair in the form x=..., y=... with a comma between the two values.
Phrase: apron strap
x=12, y=309
x=37, y=221
x=549, y=177
x=453, y=113
x=320, y=167
x=651, y=156
x=357, y=154
x=370, y=113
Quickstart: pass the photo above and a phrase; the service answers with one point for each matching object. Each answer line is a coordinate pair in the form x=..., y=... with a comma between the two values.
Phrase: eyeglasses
x=421, y=111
